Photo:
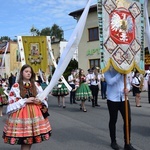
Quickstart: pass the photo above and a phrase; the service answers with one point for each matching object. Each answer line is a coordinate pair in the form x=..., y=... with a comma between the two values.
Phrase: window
x=93, y=34
x=94, y=62
x=18, y=56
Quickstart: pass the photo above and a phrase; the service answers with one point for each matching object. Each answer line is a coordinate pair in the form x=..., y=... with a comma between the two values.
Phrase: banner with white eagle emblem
x=121, y=34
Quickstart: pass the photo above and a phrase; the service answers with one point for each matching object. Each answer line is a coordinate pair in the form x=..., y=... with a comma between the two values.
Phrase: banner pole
x=126, y=112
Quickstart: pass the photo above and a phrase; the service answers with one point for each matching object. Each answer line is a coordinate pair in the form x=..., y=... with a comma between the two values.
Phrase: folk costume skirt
x=3, y=98
x=43, y=85
x=60, y=90
x=27, y=126
x=83, y=92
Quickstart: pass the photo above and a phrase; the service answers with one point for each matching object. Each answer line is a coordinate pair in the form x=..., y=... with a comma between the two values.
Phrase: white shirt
x=93, y=81
x=115, y=86
x=135, y=80
x=70, y=78
x=89, y=78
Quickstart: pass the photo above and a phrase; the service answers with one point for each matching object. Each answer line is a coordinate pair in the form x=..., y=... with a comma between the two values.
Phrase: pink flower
x=46, y=136
x=12, y=140
x=16, y=85
x=11, y=94
x=11, y=101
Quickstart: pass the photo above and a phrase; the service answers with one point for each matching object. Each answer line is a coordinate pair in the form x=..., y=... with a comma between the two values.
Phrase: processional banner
x=35, y=51
x=121, y=34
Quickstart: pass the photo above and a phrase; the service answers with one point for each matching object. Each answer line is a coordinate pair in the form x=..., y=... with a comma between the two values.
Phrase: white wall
x=62, y=46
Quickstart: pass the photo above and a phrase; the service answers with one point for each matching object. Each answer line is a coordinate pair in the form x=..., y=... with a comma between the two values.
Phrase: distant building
x=11, y=61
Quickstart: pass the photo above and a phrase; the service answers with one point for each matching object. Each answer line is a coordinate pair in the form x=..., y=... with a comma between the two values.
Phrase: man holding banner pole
x=118, y=88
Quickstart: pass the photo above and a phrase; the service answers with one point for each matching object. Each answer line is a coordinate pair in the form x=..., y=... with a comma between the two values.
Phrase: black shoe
x=129, y=147
x=114, y=146
x=75, y=103
x=93, y=105
x=64, y=106
x=97, y=105
x=138, y=106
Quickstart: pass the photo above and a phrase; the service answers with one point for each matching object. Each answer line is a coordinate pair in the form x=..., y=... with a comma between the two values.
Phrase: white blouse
x=16, y=102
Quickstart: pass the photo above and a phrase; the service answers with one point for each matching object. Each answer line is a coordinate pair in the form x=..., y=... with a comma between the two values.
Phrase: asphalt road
x=77, y=130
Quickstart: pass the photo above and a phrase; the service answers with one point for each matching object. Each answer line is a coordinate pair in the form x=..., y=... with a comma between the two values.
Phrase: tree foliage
x=72, y=65
x=46, y=31
x=4, y=38
x=55, y=32
x=33, y=31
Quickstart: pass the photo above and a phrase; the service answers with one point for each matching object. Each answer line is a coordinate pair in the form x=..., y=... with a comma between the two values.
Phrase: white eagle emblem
x=122, y=24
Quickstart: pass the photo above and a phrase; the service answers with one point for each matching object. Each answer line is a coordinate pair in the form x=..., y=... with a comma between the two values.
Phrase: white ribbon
x=68, y=52
x=4, y=55
x=54, y=62
x=147, y=24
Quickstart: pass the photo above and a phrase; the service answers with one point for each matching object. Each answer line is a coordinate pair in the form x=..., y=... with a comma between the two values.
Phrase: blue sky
x=18, y=16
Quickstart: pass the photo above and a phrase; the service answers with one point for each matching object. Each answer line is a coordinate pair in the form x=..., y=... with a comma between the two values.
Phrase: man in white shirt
x=71, y=81
x=95, y=86
x=116, y=102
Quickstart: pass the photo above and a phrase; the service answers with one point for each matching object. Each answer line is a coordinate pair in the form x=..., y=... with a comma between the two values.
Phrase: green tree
x=33, y=31
x=46, y=31
x=57, y=32
x=4, y=38
x=72, y=65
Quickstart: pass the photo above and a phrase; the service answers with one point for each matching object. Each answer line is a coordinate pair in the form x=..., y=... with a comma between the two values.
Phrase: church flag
x=121, y=34
x=34, y=52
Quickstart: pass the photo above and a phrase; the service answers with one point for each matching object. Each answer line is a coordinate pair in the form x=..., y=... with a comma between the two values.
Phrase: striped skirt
x=60, y=91
x=27, y=126
x=83, y=92
x=3, y=98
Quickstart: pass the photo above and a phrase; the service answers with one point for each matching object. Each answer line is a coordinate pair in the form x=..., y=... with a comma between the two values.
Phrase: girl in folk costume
x=3, y=97
x=83, y=91
x=60, y=90
x=136, y=85
x=27, y=121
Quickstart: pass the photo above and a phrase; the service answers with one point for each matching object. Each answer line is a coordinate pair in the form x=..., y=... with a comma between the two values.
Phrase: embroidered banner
x=35, y=51
x=121, y=34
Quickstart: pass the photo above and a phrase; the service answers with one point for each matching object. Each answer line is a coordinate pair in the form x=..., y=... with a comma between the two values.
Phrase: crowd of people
x=23, y=106
x=86, y=86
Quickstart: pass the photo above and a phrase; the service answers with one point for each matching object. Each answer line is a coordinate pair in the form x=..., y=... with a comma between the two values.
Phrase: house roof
x=78, y=13
x=3, y=46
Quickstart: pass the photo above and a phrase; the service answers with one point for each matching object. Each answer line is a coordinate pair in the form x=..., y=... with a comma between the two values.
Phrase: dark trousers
x=72, y=94
x=103, y=89
x=113, y=108
x=89, y=99
x=95, y=90
x=133, y=90
x=148, y=93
